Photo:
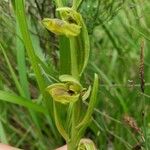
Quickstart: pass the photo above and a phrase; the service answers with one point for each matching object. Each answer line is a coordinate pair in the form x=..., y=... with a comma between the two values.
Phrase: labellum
x=61, y=92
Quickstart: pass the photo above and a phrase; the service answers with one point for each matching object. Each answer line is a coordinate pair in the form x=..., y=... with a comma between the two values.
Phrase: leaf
x=76, y=4
x=92, y=102
x=12, y=98
x=22, y=21
x=86, y=47
x=20, y=13
x=59, y=124
x=21, y=63
x=3, y=137
x=12, y=72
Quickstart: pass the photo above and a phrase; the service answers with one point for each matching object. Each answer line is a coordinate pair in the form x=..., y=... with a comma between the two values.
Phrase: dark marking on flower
x=71, y=20
x=71, y=92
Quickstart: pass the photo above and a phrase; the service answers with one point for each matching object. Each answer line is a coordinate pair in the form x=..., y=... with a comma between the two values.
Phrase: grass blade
x=12, y=72
x=12, y=98
x=21, y=63
x=20, y=12
x=3, y=137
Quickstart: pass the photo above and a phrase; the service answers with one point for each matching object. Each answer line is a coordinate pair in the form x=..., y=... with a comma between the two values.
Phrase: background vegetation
x=119, y=33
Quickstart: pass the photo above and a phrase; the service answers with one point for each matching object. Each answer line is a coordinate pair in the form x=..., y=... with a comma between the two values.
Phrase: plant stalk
x=73, y=143
x=76, y=4
x=59, y=3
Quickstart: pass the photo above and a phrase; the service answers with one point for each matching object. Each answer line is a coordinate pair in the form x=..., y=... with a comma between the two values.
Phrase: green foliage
x=33, y=58
x=96, y=12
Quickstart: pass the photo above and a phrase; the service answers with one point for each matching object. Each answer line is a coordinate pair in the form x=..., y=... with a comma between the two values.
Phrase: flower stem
x=76, y=4
x=59, y=3
x=73, y=143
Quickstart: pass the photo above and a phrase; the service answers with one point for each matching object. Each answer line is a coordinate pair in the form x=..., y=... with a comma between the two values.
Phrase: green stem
x=72, y=144
x=76, y=4
x=74, y=141
x=74, y=62
x=75, y=135
x=59, y=3
x=22, y=21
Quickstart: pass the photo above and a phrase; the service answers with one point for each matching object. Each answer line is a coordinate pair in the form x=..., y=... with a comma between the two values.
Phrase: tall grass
x=30, y=61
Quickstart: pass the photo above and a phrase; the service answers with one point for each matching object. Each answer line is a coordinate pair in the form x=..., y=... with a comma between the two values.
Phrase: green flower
x=68, y=90
x=70, y=15
x=61, y=27
x=70, y=25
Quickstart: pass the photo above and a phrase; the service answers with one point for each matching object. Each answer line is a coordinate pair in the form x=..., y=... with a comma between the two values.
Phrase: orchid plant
x=69, y=91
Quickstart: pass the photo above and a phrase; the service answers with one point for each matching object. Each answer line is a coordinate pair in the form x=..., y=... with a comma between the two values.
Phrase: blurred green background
x=117, y=30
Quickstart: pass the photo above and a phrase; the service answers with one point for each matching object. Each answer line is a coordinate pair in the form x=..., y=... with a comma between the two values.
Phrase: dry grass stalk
x=141, y=69
x=130, y=121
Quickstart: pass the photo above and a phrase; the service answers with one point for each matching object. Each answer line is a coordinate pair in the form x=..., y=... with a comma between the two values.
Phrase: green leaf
x=85, y=48
x=12, y=72
x=20, y=12
x=21, y=63
x=59, y=124
x=92, y=102
x=76, y=4
x=59, y=3
x=12, y=98
x=3, y=137
x=104, y=76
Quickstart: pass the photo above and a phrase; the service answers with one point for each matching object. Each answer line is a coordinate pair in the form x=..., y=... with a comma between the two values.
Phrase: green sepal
x=69, y=78
x=61, y=27
x=70, y=15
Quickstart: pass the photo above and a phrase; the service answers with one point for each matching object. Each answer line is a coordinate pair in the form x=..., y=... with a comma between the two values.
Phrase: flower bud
x=86, y=144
